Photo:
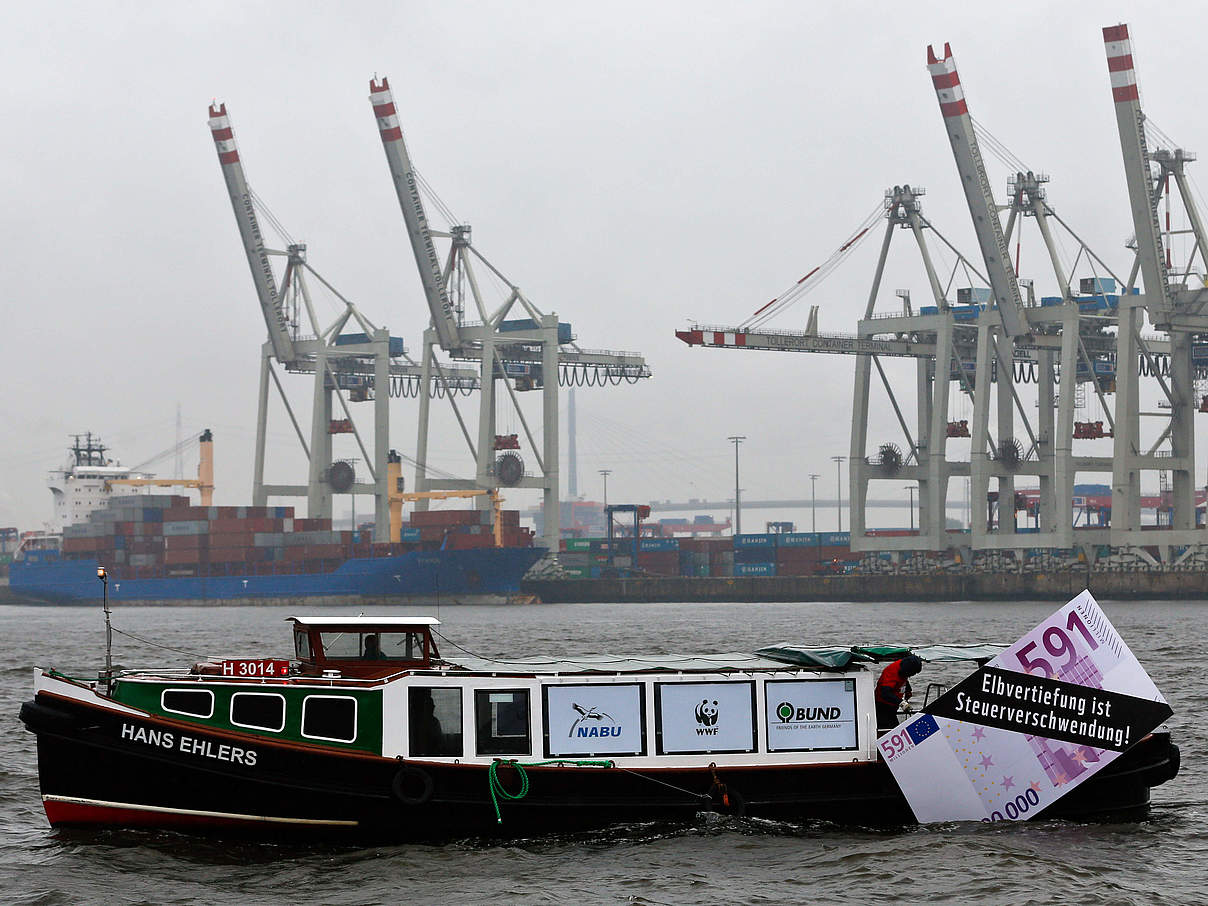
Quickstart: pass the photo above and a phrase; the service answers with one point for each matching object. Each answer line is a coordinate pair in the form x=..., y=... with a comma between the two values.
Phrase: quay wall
x=1057, y=586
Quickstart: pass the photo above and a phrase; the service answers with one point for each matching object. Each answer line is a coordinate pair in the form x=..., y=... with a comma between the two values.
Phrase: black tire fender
x=412, y=785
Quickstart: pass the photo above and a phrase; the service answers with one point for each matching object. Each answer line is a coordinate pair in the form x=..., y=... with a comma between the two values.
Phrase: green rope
x=495, y=785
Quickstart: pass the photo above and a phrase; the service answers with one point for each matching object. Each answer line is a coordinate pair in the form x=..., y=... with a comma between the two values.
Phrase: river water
x=1163, y=859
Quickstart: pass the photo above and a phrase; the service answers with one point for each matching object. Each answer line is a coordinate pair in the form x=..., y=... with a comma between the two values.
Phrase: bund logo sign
x=788, y=713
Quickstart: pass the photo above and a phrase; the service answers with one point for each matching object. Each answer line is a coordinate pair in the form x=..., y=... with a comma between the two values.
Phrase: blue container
x=754, y=569
x=836, y=539
x=753, y=555
x=799, y=539
x=1090, y=285
x=659, y=544
x=756, y=541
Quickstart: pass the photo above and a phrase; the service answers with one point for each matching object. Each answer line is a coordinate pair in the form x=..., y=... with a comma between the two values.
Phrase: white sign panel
x=594, y=720
x=805, y=715
x=706, y=717
x=952, y=769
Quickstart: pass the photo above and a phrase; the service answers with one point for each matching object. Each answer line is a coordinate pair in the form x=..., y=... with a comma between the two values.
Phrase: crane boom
x=249, y=230
x=444, y=317
x=978, y=194
x=1131, y=123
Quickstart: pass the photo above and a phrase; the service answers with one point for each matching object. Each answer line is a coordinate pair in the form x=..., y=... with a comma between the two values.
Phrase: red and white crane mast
x=978, y=194
x=987, y=460
x=1168, y=310
x=444, y=315
x=1141, y=191
x=253, y=239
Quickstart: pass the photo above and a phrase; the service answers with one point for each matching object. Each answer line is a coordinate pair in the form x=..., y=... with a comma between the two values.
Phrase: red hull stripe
x=1125, y=93
x=73, y=810
x=1115, y=33
x=392, y=135
x=954, y=108
x=228, y=157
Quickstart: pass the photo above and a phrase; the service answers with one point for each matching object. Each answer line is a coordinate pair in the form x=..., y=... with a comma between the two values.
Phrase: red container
x=184, y=557
x=186, y=542
x=231, y=540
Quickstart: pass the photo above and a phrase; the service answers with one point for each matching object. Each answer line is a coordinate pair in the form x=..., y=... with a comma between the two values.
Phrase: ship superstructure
x=82, y=485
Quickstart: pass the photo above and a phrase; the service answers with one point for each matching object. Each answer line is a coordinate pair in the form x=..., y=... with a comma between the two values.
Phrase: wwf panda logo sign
x=706, y=717
x=706, y=713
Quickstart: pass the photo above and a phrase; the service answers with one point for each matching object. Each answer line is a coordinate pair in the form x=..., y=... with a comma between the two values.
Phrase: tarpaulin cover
x=840, y=658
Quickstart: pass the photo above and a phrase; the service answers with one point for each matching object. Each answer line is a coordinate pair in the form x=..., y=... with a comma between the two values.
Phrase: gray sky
x=632, y=166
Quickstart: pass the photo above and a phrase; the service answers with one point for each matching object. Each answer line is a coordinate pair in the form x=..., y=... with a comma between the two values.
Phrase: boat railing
x=190, y=674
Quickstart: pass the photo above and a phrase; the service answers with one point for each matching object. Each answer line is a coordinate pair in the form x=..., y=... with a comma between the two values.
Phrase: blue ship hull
x=484, y=572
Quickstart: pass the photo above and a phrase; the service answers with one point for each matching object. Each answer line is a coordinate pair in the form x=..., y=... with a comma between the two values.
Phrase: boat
x=160, y=549
x=368, y=731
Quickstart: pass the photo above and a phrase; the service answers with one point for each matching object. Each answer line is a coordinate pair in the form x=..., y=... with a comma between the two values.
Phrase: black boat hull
x=99, y=767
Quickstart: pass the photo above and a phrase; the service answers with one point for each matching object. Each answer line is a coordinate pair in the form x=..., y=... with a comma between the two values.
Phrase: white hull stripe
x=197, y=813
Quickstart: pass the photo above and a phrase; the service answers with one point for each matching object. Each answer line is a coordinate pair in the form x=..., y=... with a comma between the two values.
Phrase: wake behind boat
x=369, y=731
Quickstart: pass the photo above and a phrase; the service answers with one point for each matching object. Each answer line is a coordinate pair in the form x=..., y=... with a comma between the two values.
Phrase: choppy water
x=716, y=860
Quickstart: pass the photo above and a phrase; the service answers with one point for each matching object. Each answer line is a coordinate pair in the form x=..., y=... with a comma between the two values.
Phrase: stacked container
x=145, y=536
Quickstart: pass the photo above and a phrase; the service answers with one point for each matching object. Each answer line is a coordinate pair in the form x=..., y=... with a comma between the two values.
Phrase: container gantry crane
x=358, y=364
x=1002, y=341
x=533, y=351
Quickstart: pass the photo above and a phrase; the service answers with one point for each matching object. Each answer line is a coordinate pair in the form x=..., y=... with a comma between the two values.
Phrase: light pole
x=814, y=476
x=838, y=461
x=737, y=439
x=910, y=488
x=605, y=473
x=103, y=575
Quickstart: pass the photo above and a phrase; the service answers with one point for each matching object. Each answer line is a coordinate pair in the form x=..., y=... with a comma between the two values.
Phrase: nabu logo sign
x=706, y=718
x=590, y=724
x=787, y=712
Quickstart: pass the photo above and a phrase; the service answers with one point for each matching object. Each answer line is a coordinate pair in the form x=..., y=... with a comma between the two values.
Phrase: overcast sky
x=631, y=166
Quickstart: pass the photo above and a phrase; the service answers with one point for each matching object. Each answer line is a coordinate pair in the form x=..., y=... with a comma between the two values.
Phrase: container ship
x=159, y=548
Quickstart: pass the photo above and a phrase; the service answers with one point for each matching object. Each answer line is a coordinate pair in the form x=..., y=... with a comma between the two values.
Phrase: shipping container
x=742, y=542
x=658, y=544
x=754, y=569
x=799, y=539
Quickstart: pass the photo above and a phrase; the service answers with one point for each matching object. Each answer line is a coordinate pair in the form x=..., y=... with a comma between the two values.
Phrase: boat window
x=502, y=720
x=302, y=645
x=434, y=719
x=332, y=717
x=194, y=702
x=258, y=710
x=373, y=646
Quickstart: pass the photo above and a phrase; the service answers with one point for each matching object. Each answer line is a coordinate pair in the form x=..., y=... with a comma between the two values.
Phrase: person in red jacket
x=892, y=688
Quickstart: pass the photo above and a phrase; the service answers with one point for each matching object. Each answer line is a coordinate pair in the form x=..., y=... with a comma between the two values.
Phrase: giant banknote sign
x=1041, y=718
